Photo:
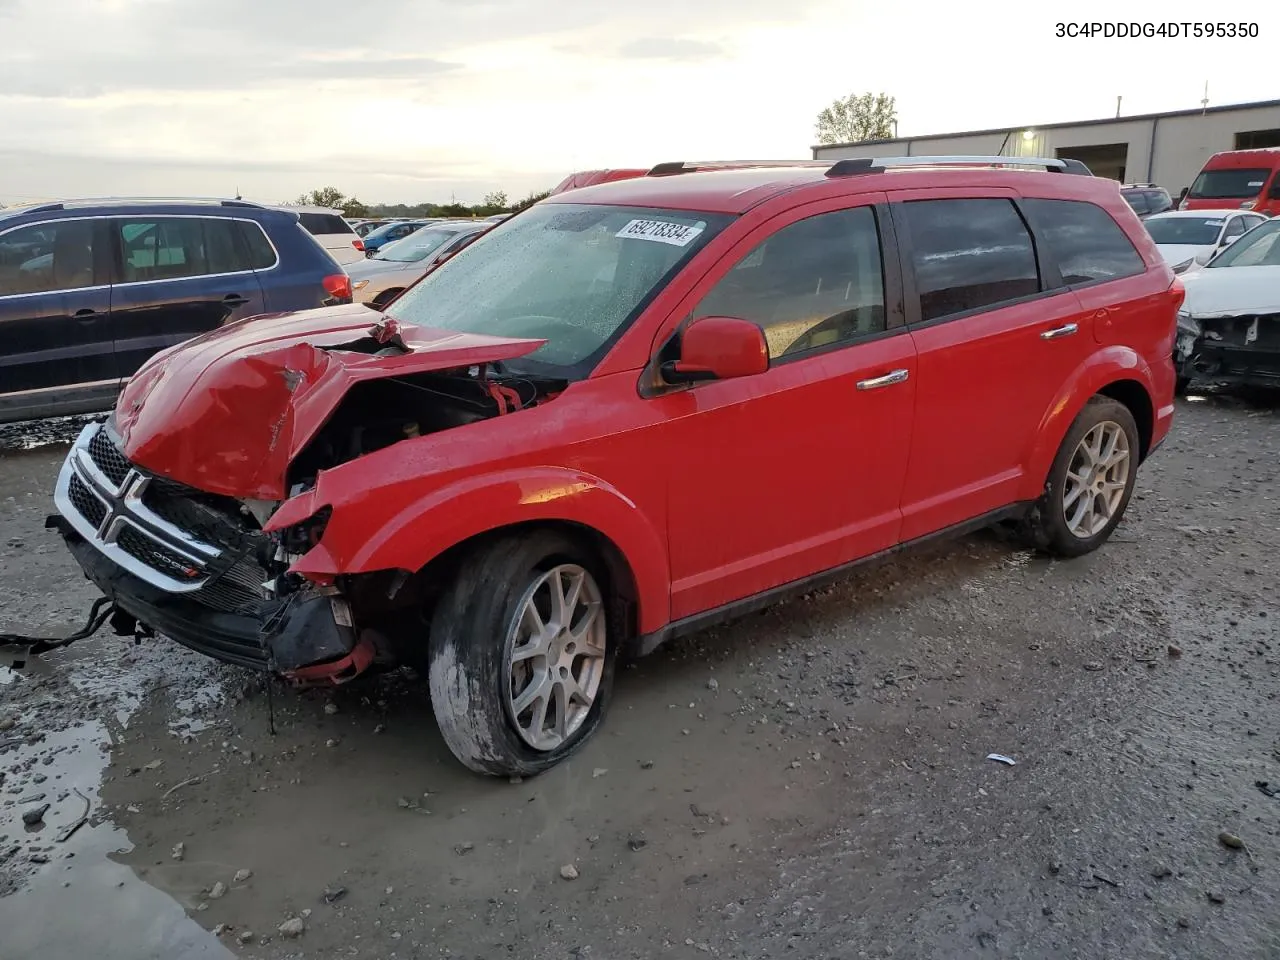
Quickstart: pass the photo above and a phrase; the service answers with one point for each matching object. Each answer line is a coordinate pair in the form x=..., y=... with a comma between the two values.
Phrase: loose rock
x=179, y=850
x=1093, y=666
x=242, y=875
x=598, y=772
x=1215, y=897
x=245, y=936
x=331, y=708
x=35, y=815
x=292, y=927
x=569, y=872
x=218, y=891
x=1174, y=652
x=713, y=684
x=1230, y=840
x=1161, y=872
x=464, y=848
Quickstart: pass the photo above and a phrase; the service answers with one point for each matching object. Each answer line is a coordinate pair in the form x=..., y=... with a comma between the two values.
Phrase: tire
x=479, y=621
x=1051, y=524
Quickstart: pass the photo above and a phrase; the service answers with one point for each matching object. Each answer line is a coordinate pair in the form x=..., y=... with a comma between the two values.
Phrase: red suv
x=625, y=413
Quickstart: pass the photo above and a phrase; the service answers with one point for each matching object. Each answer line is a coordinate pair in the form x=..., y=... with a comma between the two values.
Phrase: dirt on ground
x=813, y=781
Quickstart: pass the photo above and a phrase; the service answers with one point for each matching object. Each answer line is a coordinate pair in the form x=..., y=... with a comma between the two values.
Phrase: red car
x=633, y=410
x=1248, y=179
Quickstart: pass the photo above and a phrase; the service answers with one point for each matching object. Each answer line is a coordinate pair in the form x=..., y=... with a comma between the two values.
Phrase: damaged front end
x=1235, y=349
x=198, y=568
x=174, y=525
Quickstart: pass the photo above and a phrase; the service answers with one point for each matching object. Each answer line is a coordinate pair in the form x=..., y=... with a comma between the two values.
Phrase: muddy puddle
x=63, y=883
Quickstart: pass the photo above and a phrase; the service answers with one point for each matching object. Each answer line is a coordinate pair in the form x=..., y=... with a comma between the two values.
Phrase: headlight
x=359, y=284
x=1187, y=323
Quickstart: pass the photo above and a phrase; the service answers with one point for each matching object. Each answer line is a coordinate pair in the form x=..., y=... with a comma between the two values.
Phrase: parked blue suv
x=90, y=289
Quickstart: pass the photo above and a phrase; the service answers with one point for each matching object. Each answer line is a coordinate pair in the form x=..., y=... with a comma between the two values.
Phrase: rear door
x=55, y=328
x=996, y=338
x=176, y=277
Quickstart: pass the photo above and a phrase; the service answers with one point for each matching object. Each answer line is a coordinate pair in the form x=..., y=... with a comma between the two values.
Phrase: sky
x=427, y=100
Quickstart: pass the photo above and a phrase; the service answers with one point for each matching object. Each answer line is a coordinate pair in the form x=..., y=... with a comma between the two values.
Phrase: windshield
x=417, y=246
x=1257, y=248
x=1237, y=184
x=573, y=274
x=1199, y=231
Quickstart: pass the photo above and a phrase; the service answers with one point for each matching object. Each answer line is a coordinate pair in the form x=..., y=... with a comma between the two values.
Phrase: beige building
x=1164, y=148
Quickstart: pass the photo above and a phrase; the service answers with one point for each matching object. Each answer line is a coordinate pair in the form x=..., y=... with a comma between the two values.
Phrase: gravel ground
x=812, y=781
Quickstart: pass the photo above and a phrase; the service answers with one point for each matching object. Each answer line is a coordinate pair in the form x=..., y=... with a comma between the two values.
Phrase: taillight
x=358, y=244
x=338, y=286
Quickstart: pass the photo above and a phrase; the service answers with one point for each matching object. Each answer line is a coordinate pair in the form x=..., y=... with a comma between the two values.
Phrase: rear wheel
x=522, y=654
x=1090, y=482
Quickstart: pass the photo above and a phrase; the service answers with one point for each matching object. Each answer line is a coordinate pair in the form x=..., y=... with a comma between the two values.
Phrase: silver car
x=383, y=276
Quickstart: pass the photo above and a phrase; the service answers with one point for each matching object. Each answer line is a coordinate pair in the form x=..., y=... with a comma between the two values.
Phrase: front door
x=55, y=330
x=799, y=469
x=177, y=277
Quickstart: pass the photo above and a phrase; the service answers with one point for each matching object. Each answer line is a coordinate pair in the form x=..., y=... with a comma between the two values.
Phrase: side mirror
x=718, y=348
x=1227, y=241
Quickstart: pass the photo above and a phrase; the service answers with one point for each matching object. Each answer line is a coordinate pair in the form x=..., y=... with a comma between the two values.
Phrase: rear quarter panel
x=296, y=281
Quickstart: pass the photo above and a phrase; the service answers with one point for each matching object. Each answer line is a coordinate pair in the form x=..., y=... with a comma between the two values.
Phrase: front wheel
x=522, y=654
x=1090, y=482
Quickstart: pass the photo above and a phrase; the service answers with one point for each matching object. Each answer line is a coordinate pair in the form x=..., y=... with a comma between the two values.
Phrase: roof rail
x=859, y=165
x=688, y=166
x=89, y=201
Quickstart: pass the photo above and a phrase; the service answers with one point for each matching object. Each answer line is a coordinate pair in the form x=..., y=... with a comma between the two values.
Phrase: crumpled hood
x=228, y=411
x=1228, y=291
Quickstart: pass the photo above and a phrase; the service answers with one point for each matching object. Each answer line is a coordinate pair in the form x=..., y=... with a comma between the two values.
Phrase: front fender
x=429, y=525
x=1101, y=369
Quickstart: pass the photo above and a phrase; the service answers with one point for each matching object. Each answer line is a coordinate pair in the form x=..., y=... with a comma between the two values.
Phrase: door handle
x=88, y=313
x=234, y=300
x=888, y=380
x=1066, y=330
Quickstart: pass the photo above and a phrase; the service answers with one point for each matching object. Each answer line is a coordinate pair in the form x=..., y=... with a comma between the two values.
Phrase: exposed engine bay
x=201, y=567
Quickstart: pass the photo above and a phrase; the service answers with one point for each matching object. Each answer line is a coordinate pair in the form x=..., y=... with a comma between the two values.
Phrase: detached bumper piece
x=1242, y=350
x=187, y=565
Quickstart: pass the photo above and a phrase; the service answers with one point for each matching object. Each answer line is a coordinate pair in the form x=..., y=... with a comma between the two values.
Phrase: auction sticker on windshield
x=661, y=231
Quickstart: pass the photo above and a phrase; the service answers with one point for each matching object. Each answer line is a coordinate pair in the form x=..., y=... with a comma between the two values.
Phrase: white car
x=1229, y=323
x=1186, y=238
x=331, y=231
x=378, y=279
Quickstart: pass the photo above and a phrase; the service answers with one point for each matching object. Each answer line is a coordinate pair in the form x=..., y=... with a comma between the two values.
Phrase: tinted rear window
x=317, y=223
x=1087, y=244
x=1229, y=184
x=969, y=254
x=261, y=254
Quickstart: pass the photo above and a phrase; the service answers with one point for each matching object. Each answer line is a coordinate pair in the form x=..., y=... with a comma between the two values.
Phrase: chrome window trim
x=135, y=283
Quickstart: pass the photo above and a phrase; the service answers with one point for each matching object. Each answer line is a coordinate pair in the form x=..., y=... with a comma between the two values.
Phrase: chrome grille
x=103, y=497
x=90, y=507
x=156, y=556
x=107, y=458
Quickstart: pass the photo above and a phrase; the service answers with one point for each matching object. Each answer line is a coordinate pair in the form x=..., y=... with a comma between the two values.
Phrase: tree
x=334, y=199
x=858, y=117
x=529, y=201
x=497, y=199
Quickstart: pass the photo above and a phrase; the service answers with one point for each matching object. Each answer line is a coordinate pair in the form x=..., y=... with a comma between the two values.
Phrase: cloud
x=174, y=73
x=656, y=48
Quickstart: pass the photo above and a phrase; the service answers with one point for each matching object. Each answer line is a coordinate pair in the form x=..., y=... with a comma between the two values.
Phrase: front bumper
x=1240, y=350
x=203, y=588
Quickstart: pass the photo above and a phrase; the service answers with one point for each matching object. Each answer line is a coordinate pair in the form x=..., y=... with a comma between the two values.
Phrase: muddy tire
x=522, y=653
x=1090, y=482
